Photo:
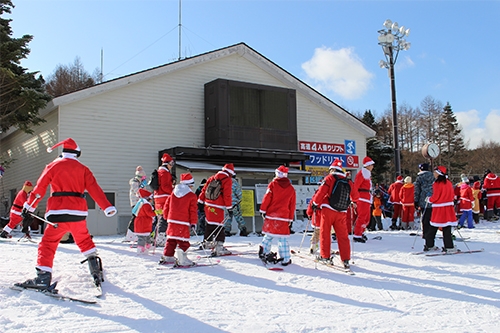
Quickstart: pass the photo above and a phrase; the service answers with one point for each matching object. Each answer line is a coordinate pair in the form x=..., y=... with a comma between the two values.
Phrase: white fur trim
x=110, y=211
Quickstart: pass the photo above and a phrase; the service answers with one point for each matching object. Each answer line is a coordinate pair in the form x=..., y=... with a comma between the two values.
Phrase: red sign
x=322, y=147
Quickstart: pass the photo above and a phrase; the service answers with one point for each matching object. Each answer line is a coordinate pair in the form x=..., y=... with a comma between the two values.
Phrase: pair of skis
x=327, y=264
x=444, y=253
x=51, y=291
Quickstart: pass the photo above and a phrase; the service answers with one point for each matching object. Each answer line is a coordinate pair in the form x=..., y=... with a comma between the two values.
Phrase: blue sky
x=331, y=45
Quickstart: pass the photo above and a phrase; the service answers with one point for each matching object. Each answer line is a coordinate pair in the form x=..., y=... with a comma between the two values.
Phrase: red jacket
x=322, y=197
x=214, y=209
x=393, y=191
x=165, y=182
x=466, y=198
x=17, y=205
x=407, y=195
x=143, y=223
x=66, y=175
x=180, y=211
x=443, y=212
x=492, y=185
x=363, y=185
x=278, y=205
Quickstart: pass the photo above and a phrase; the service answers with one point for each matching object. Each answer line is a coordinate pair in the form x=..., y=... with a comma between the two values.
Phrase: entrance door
x=97, y=223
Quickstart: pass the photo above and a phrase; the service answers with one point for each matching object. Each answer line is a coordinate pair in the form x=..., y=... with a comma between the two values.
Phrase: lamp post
x=392, y=41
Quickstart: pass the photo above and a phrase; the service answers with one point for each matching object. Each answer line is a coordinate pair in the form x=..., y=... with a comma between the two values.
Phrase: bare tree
x=70, y=78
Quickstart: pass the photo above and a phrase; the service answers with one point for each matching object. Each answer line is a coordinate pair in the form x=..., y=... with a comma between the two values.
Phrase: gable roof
x=242, y=50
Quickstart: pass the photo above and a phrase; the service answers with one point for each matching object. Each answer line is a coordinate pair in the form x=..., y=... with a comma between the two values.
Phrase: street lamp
x=392, y=41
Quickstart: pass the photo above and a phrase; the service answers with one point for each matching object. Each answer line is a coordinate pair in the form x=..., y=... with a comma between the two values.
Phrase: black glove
x=263, y=215
x=25, y=213
x=193, y=227
x=314, y=207
x=27, y=221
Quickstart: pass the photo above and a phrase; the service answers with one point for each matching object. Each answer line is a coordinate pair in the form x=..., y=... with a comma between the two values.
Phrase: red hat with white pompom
x=367, y=161
x=187, y=178
x=69, y=146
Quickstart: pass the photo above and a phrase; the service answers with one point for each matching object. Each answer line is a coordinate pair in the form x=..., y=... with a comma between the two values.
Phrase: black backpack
x=340, y=196
x=214, y=188
x=153, y=180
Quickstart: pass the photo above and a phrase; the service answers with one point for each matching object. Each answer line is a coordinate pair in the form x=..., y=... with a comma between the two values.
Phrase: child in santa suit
x=181, y=213
x=465, y=204
x=476, y=206
x=143, y=223
x=407, y=197
x=16, y=210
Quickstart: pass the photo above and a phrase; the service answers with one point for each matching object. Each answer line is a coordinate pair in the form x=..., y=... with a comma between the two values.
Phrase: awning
x=194, y=166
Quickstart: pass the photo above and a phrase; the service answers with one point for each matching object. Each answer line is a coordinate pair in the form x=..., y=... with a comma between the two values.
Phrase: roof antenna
x=180, y=25
x=101, y=76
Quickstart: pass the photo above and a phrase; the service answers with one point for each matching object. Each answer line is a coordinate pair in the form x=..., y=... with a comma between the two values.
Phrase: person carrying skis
x=16, y=211
x=145, y=213
x=165, y=186
x=334, y=201
x=277, y=209
x=68, y=179
x=407, y=197
x=443, y=212
x=180, y=211
x=216, y=201
x=363, y=186
x=394, y=199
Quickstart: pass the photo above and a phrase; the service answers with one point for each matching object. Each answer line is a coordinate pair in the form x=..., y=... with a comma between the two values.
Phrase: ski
x=225, y=255
x=434, y=254
x=51, y=292
x=196, y=264
x=336, y=267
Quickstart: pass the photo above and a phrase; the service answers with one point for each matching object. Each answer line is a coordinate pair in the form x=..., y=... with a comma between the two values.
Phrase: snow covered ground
x=392, y=291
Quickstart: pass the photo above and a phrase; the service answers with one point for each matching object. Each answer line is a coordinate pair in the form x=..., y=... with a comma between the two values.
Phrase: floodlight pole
x=397, y=154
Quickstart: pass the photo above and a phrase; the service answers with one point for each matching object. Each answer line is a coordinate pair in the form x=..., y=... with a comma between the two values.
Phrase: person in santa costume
x=166, y=185
x=277, y=209
x=181, y=212
x=407, y=197
x=333, y=217
x=16, y=211
x=476, y=204
x=395, y=201
x=314, y=215
x=492, y=186
x=443, y=212
x=363, y=185
x=465, y=204
x=214, y=236
x=67, y=208
x=143, y=223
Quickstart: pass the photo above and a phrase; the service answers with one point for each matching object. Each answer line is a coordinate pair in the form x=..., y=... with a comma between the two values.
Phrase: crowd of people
x=167, y=213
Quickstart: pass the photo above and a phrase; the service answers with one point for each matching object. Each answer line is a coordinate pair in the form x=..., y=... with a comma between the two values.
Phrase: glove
x=230, y=210
x=314, y=207
x=159, y=211
x=27, y=221
x=25, y=213
x=193, y=228
x=263, y=215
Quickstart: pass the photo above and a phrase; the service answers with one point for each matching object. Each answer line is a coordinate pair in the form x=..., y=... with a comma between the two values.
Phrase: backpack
x=214, y=188
x=340, y=196
x=153, y=180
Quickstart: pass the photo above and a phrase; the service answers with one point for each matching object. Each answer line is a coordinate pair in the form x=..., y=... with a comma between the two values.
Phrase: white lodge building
x=229, y=105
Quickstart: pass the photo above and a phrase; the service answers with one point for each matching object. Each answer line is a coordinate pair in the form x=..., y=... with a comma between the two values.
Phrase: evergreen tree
x=22, y=95
x=451, y=142
x=383, y=155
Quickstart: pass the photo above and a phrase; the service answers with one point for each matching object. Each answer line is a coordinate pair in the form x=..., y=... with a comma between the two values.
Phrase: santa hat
x=187, y=178
x=491, y=176
x=367, y=161
x=166, y=158
x=69, y=146
x=477, y=185
x=336, y=164
x=28, y=183
x=399, y=178
x=229, y=167
x=281, y=171
x=143, y=193
x=440, y=170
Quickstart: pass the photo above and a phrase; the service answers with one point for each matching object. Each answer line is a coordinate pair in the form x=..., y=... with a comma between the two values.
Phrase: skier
x=277, y=209
x=215, y=207
x=407, y=197
x=334, y=216
x=492, y=186
x=314, y=215
x=466, y=204
x=166, y=185
x=443, y=214
x=363, y=186
x=476, y=207
x=423, y=190
x=376, y=219
x=180, y=211
x=236, y=210
x=145, y=213
x=66, y=206
x=394, y=199
x=16, y=211
x=139, y=181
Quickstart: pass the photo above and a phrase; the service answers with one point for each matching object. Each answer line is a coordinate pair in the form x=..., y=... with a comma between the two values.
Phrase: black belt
x=363, y=190
x=68, y=194
x=17, y=206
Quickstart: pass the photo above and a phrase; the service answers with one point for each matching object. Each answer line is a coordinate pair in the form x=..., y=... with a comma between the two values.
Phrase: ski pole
x=55, y=225
x=204, y=249
x=421, y=223
x=463, y=239
x=305, y=232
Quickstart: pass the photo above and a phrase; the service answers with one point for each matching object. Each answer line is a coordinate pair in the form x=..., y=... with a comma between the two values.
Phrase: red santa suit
x=363, y=185
x=17, y=206
x=314, y=214
x=492, y=186
x=68, y=179
x=394, y=198
x=215, y=209
x=165, y=182
x=181, y=212
x=407, y=197
x=443, y=212
x=145, y=213
x=466, y=198
x=331, y=217
x=278, y=205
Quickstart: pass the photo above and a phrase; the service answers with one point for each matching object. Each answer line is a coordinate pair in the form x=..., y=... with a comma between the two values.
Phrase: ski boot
x=164, y=260
x=95, y=267
x=5, y=234
x=346, y=264
x=220, y=250
x=182, y=259
x=41, y=282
